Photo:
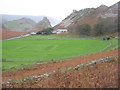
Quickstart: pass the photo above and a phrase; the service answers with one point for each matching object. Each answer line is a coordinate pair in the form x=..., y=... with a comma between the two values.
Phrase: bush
x=46, y=31
x=83, y=29
x=105, y=26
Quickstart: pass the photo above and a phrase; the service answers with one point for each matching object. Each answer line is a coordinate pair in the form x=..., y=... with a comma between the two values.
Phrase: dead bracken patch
x=40, y=69
x=101, y=75
x=6, y=34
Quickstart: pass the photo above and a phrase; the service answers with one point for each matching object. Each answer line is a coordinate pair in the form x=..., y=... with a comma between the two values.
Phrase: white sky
x=58, y=9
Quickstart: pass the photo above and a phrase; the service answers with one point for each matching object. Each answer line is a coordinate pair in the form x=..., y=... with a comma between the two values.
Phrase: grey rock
x=43, y=24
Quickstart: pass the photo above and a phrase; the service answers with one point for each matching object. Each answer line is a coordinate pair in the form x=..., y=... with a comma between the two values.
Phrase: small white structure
x=60, y=31
x=33, y=33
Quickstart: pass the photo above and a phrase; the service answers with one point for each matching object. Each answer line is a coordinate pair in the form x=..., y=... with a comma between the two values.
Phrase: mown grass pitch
x=22, y=53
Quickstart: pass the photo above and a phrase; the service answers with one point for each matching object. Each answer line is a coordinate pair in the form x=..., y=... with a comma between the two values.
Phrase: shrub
x=83, y=29
x=46, y=31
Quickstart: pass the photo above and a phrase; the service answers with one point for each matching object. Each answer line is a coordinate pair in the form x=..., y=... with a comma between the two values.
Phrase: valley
x=80, y=51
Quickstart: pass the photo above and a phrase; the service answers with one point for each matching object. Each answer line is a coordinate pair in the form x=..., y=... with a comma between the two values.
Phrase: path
x=16, y=37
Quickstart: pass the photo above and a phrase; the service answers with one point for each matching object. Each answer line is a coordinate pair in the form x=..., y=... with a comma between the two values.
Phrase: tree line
x=102, y=27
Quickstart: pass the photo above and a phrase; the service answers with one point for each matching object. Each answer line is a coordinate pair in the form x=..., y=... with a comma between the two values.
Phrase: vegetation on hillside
x=105, y=26
x=98, y=75
x=20, y=25
x=102, y=27
x=46, y=31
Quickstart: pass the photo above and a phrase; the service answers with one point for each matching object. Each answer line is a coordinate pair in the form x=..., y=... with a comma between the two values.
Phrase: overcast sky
x=58, y=9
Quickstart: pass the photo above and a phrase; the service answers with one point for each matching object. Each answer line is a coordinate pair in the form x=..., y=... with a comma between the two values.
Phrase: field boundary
x=55, y=38
x=53, y=66
x=61, y=70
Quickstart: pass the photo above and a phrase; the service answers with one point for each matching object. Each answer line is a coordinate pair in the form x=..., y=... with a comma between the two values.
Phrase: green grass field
x=24, y=53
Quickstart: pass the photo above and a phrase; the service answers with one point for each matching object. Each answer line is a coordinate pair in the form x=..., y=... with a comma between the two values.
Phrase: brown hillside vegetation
x=89, y=16
x=91, y=19
x=6, y=34
x=54, y=66
x=101, y=75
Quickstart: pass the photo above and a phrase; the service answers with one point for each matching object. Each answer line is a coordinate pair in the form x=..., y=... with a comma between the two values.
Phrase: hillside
x=6, y=34
x=96, y=75
x=89, y=15
x=20, y=25
x=43, y=24
x=83, y=53
x=37, y=19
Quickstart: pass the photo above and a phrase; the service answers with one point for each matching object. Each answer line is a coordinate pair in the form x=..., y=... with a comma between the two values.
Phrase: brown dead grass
x=54, y=66
x=6, y=34
x=101, y=75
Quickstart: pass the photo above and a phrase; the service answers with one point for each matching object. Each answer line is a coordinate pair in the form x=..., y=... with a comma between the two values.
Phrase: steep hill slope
x=89, y=16
x=53, y=21
x=93, y=76
x=43, y=24
x=6, y=34
x=20, y=25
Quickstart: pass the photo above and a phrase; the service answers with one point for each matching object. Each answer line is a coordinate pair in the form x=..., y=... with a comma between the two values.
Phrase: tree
x=83, y=29
x=98, y=29
x=46, y=31
x=105, y=26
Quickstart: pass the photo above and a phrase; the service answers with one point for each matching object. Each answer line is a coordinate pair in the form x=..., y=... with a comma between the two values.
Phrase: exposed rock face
x=89, y=16
x=43, y=24
x=111, y=11
x=75, y=17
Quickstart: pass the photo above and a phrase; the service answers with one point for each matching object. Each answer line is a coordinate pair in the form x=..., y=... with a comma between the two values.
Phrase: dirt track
x=44, y=68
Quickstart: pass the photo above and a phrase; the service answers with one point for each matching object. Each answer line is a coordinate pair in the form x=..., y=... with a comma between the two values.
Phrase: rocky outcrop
x=43, y=24
x=89, y=16
x=75, y=16
x=111, y=11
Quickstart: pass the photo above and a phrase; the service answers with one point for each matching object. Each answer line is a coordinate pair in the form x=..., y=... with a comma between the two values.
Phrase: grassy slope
x=15, y=25
x=21, y=53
